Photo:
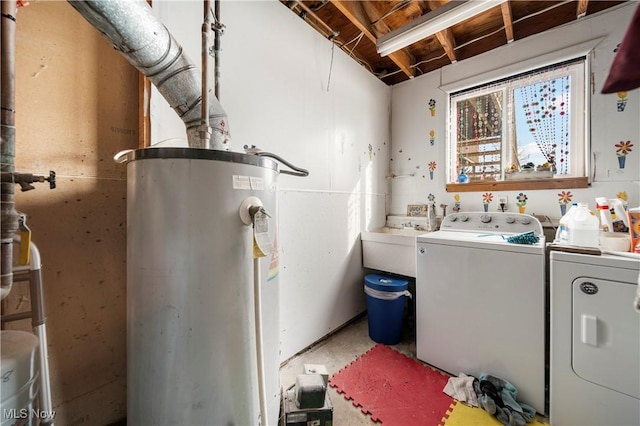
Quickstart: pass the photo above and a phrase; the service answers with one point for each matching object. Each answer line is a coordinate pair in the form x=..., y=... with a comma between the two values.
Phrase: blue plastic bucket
x=385, y=307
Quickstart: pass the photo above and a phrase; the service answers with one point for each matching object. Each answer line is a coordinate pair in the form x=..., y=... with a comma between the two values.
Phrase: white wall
x=283, y=94
x=412, y=121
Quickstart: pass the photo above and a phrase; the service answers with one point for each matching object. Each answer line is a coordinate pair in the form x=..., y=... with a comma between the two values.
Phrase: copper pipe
x=216, y=50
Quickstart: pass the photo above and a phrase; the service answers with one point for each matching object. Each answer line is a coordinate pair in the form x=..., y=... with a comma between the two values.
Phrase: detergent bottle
x=584, y=227
x=562, y=233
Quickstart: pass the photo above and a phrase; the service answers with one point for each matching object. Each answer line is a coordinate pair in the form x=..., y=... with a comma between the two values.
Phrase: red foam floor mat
x=394, y=389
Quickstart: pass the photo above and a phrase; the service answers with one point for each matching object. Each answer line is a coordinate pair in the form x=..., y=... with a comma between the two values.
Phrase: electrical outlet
x=503, y=200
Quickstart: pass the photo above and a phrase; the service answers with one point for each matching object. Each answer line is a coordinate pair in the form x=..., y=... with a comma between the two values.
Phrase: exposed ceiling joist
x=582, y=8
x=448, y=43
x=356, y=13
x=507, y=17
x=348, y=22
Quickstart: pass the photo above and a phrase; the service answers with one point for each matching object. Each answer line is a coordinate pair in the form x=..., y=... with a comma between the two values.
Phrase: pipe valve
x=254, y=210
x=26, y=179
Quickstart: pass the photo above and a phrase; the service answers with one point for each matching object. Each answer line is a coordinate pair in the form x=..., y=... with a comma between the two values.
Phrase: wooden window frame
x=520, y=185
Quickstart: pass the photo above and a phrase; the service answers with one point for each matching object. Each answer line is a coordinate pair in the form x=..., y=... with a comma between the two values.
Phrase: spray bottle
x=606, y=222
x=619, y=218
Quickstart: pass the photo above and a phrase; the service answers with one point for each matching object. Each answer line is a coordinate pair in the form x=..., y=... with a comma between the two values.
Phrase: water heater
x=191, y=340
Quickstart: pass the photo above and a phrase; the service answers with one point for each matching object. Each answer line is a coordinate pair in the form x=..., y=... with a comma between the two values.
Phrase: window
x=526, y=129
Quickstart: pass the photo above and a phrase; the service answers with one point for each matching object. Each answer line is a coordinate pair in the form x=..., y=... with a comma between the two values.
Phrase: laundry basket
x=19, y=365
x=386, y=299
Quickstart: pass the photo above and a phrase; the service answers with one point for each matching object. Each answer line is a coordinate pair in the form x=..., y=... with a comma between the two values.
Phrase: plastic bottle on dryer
x=584, y=228
x=603, y=209
x=562, y=233
x=619, y=217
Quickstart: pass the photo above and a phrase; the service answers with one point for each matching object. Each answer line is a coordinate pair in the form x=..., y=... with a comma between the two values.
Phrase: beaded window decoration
x=546, y=111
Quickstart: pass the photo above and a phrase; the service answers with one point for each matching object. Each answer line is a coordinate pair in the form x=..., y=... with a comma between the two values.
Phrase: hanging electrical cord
x=359, y=39
x=356, y=38
x=417, y=64
x=392, y=73
x=357, y=59
x=333, y=46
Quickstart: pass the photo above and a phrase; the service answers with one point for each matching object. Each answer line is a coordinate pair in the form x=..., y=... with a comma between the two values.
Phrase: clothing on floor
x=496, y=396
x=499, y=398
x=462, y=389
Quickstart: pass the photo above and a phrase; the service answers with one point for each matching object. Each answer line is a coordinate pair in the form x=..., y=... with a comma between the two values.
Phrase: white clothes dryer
x=595, y=340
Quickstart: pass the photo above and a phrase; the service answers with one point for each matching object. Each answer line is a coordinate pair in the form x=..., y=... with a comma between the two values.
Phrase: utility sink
x=390, y=250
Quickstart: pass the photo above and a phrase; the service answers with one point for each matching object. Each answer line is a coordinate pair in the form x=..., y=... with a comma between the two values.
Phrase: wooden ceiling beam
x=445, y=37
x=356, y=12
x=507, y=17
x=582, y=8
x=448, y=43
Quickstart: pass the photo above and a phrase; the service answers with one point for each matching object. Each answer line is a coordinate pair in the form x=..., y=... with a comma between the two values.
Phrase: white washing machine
x=595, y=340
x=480, y=300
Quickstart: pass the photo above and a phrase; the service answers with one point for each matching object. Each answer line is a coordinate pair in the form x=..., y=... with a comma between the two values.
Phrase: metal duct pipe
x=131, y=27
x=8, y=138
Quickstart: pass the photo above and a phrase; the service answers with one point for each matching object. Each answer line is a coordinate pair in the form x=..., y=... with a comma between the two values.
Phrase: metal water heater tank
x=191, y=340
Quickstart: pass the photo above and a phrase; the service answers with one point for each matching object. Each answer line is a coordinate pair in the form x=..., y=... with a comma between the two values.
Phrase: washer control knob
x=525, y=220
x=510, y=219
x=485, y=218
x=453, y=218
x=464, y=217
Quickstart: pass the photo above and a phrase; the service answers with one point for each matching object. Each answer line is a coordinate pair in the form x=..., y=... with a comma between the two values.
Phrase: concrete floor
x=335, y=352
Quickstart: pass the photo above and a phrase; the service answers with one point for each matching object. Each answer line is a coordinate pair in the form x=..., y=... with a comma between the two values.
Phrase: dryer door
x=606, y=334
